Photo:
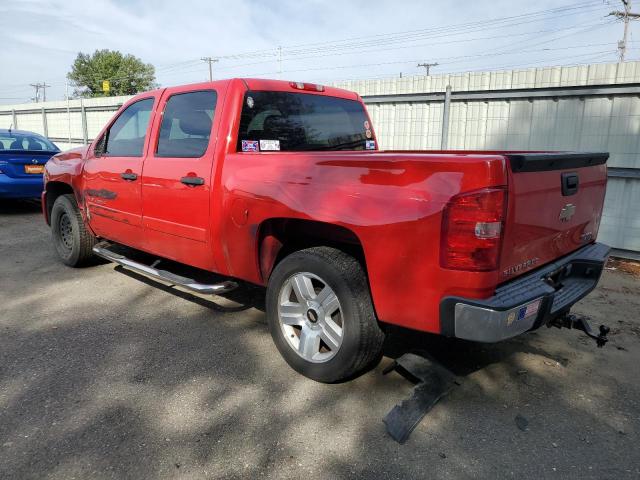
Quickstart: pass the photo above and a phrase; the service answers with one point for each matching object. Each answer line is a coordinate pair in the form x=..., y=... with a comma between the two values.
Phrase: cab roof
x=270, y=85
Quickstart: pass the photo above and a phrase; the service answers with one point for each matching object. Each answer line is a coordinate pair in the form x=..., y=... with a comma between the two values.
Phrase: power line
x=386, y=38
x=454, y=60
x=431, y=44
x=393, y=41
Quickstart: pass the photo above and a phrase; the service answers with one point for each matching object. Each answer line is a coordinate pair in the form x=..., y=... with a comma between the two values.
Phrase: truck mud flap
x=433, y=382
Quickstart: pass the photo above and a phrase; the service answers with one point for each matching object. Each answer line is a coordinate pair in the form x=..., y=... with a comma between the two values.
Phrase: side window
x=126, y=136
x=186, y=124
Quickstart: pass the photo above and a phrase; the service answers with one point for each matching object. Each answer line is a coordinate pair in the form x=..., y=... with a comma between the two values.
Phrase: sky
x=302, y=40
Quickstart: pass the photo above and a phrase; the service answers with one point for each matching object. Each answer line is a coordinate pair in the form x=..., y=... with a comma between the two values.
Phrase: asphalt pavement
x=104, y=375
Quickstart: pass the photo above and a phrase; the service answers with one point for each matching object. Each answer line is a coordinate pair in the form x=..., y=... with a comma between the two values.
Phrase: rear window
x=19, y=141
x=302, y=122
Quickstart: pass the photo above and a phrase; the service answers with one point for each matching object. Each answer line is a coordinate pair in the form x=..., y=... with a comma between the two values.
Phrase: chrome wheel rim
x=310, y=317
x=66, y=231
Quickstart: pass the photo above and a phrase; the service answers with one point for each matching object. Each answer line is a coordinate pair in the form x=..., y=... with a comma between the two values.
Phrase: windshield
x=19, y=141
x=302, y=122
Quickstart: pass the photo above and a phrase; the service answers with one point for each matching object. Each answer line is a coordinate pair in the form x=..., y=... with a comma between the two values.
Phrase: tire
x=350, y=339
x=72, y=241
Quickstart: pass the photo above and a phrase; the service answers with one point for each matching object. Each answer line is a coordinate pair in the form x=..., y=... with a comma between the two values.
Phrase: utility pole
x=44, y=91
x=36, y=98
x=68, y=111
x=280, y=62
x=625, y=16
x=428, y=66
x=210, y=61
x=39, y=86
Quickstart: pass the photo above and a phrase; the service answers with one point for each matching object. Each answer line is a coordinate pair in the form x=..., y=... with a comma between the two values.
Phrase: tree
x=127, y=74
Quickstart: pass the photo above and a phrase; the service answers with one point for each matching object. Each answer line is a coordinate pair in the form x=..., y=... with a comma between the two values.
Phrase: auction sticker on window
x=370, y=144
x=269, y=145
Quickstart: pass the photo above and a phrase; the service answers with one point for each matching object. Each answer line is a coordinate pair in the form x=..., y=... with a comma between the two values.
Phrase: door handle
x=129, y=177
x=192, y=181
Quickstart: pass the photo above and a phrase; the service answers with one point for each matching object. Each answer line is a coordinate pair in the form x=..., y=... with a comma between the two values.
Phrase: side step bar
x=103, y=251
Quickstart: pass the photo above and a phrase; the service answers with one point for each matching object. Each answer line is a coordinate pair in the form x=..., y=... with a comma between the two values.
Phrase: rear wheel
x=321, y=316
x=72, y=240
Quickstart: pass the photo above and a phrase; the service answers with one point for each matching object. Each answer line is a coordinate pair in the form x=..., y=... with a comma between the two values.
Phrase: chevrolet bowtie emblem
x=567, y=212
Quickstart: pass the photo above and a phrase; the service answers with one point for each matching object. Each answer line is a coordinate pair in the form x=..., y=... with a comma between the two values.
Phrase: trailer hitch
x=580, y=323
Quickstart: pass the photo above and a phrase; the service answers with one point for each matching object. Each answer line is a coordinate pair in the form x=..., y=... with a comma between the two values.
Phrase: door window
x=125, y=138
x=186, y=124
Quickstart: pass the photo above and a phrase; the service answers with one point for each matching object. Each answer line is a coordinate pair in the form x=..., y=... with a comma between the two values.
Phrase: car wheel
x=321, y=316
x=72, y=241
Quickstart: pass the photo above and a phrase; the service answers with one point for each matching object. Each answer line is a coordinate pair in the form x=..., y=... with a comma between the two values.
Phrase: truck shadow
x=246, y=296
x=459, y=356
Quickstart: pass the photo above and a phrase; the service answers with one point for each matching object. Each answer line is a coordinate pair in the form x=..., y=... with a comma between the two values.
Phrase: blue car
x=22, y=158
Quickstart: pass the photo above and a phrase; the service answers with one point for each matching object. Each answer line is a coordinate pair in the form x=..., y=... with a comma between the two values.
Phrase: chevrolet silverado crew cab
x=282, y=184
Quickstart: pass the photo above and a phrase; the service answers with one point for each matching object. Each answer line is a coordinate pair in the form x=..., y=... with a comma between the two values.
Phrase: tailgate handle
x=570, y=184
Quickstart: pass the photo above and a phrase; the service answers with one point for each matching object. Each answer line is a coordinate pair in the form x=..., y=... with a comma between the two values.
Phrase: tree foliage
x=126, y=74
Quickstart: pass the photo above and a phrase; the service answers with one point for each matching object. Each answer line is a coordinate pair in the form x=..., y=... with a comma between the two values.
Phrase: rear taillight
x=472, y=226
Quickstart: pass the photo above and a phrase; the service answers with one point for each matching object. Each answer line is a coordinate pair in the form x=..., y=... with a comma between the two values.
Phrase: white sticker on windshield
x=370, y=144
x=269, y=145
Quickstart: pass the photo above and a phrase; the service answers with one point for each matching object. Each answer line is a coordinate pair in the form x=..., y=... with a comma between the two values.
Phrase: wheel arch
x=54, y=190
x=279, y=237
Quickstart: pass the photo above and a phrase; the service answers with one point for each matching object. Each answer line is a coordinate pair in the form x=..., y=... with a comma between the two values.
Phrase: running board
x=207, y=289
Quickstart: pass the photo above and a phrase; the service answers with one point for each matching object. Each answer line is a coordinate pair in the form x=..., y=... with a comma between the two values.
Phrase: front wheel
x=321, y=316
x=72, y=240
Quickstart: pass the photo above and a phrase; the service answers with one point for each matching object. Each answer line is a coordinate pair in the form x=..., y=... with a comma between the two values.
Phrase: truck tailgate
x=554, y=206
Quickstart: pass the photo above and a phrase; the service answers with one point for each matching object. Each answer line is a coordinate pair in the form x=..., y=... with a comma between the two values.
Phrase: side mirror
x=100, y=148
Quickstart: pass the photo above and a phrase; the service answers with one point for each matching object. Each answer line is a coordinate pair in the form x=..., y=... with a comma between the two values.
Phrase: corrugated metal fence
x=583, y=108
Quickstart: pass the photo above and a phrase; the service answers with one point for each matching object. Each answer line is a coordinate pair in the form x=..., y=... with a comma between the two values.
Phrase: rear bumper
x=29, y=187
x=527, y=302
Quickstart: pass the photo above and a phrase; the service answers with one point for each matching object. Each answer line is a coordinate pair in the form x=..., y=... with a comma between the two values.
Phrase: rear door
x=112, y=178
x=554, y=207
x=176, y=179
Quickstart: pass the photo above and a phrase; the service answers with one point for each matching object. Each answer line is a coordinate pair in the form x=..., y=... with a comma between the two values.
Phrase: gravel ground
x=106, y=376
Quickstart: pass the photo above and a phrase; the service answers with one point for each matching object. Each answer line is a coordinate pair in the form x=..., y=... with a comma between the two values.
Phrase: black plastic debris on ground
x=521, y=422
x=433, y=382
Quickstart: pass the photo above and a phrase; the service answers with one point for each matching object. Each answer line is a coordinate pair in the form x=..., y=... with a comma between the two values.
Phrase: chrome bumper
x=485, y=325
x=527, y=302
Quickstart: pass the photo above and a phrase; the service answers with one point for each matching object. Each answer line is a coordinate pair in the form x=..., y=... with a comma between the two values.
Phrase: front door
x=112, y=176
x=176, y=178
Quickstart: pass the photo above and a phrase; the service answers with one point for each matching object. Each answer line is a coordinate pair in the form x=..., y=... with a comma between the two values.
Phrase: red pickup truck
x=282, y=184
